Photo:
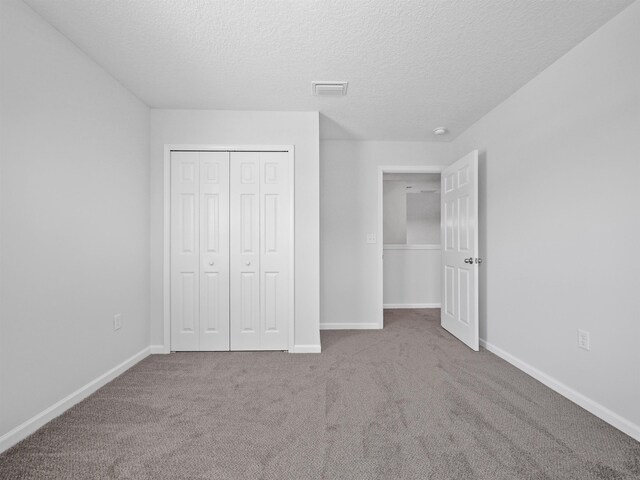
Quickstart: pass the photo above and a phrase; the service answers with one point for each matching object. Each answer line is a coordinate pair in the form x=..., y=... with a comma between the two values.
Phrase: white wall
x=74, y=219
x=411, y=209
x=411, y=277
x=215, y=127
x=423, y=218
x=560, y=222
x=394, y=213
x=349, y=211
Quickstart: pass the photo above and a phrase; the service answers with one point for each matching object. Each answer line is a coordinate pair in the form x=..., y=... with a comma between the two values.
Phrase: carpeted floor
x=406, y=402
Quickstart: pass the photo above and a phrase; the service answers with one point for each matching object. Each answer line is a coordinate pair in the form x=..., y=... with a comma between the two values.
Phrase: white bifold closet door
x=200, y=250
x=230, y=250
x=260, y=250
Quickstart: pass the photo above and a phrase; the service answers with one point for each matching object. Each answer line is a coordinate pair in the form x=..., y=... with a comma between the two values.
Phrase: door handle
x=478, y=260
x=468, y=260
x=211, y=263
x=248, y=263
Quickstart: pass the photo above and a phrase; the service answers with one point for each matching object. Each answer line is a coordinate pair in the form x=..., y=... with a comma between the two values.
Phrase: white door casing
x=459, y=240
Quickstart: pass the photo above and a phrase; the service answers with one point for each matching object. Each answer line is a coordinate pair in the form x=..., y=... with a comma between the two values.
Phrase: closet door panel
x=185, y=246
x=245, y=250
x=275, y=207
x=214, y=251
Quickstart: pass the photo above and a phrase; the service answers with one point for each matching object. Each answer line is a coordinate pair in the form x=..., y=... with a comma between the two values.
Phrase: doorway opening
x=458, y=246
x=409, y=229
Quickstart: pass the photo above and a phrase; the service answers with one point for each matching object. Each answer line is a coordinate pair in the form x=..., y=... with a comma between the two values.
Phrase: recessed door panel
x=449, y=295
x=187, y=167
x=464, y=240
x=271, y=302
x=212, y=222
x=248, y=222
x=449, y=182
x=248, y=170
x=464, y=302
x=187, y=223
x=271, y=223
x=211, y=299
x=211, y=169
x=188, y=298
x=463, y=176
x=271, y=171
x=248, y=312
x=450, y=225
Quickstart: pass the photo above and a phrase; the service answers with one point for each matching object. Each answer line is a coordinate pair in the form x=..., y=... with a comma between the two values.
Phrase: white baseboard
x=159, y=350
x=306, y=349
x=578, y=398
x=411, y=305
x=34, y=423
x=349, y=326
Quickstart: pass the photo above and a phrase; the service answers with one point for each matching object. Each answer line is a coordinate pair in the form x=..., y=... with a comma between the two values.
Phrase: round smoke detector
x=440, y=131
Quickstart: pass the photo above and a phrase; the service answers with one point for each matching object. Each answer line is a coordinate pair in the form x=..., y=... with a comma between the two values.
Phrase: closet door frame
x=166, y=293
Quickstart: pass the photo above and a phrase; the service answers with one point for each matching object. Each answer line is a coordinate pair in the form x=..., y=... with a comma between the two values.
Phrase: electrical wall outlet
x=584, y=340
x=117, y=321
x=371, y=238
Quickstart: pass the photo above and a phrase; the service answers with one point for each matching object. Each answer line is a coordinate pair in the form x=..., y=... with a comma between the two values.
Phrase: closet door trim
x=165, y=347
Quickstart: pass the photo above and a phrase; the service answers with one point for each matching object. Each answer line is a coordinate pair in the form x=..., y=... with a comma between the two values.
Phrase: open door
x=459, y=237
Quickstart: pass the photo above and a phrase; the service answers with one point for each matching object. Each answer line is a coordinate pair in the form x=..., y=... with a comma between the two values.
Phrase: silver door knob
x=468, y=260
x=248, y=263
x=211, y=263
x=478, y=260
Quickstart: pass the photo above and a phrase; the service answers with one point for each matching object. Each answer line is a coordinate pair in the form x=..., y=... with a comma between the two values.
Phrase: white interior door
x=459, y=204
x=199, y=251
x=260, y=250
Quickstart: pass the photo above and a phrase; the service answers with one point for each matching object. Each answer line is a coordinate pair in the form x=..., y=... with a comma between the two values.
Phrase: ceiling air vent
x=329, y=88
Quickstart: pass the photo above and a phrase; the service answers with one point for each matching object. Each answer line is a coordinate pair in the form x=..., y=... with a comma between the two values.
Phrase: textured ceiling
x=411, y=65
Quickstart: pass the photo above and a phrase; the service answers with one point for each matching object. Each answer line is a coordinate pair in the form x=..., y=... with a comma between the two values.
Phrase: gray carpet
x=406, y=402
